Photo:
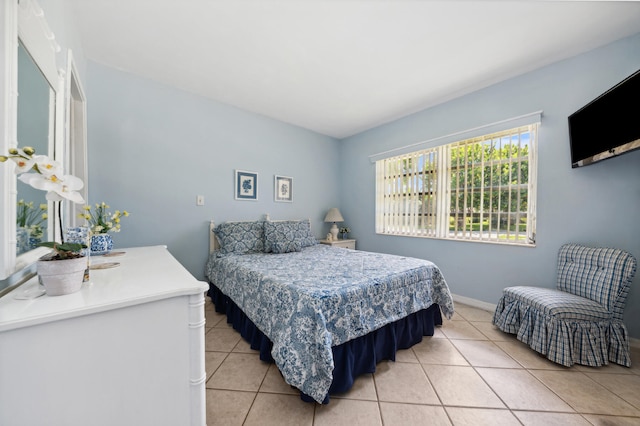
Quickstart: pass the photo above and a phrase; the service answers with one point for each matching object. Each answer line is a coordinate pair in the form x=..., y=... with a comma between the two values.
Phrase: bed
x=323, y=314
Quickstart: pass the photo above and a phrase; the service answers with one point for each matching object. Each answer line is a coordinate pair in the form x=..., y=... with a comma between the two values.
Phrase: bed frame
x=213, y=240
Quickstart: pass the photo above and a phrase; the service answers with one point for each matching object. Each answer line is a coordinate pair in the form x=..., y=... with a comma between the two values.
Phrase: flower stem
x=60, y=221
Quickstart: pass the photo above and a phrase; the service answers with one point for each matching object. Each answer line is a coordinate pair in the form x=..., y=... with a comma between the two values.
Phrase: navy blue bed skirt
x=352, y=358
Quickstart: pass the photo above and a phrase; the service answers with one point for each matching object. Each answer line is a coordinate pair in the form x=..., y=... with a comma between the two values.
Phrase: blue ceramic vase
x=78, y=235
x=101, y=244
x=22, y=245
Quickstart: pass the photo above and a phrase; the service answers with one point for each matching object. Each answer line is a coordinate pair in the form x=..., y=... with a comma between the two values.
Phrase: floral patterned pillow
x=240, y=237
x=288, y=235
x=286, y=247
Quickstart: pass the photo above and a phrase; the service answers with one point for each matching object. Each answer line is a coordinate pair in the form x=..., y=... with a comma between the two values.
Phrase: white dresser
x=127, y=349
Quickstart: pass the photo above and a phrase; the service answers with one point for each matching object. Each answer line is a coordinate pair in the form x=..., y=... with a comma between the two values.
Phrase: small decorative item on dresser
x=101, y=244
x=101, y=222
x=80, y=235
x=344, y=232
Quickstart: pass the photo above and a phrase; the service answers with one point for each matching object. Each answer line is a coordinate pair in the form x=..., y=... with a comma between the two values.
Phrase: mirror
x=31, y=115
x=36, y=102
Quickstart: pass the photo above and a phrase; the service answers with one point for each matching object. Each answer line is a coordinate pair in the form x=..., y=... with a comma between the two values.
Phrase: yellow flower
x=101, y=221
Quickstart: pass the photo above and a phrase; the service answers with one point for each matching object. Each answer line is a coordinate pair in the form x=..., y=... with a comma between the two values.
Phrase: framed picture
x=246, y=185
x=283, y=189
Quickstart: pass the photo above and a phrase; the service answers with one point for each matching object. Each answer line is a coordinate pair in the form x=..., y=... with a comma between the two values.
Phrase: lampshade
x=334, y=216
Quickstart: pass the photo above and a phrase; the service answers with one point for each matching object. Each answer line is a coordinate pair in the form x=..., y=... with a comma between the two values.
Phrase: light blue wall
x=595, y=205
x=153, y=148
x=136, y=127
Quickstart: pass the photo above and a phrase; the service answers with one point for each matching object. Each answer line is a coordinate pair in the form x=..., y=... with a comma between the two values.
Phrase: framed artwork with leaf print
x=246, y=185
x=283, y=189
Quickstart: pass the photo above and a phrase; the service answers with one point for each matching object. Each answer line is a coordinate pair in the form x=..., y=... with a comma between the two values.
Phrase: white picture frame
x=283, y=189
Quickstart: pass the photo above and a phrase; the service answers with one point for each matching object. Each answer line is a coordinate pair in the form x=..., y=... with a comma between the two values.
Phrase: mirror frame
x=75, y=142
x=24, y=20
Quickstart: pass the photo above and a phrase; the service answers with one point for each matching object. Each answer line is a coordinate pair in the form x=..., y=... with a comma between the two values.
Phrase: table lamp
x=334, y=216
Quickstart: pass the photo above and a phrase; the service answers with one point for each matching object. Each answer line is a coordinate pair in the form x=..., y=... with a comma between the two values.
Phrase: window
x=478, y=189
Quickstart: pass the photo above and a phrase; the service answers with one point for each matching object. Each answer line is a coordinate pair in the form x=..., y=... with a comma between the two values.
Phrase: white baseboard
x=474, y=302
x=633, y=342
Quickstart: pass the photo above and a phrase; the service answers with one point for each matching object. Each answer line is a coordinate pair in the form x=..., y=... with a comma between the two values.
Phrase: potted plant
x=62, y=271
x=101, y=222
x=47, y=175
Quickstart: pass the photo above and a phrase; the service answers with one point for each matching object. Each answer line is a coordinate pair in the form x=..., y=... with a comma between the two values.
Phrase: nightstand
x=349, y=244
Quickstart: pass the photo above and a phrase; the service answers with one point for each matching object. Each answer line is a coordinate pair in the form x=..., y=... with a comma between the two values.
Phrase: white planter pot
x=62, y=276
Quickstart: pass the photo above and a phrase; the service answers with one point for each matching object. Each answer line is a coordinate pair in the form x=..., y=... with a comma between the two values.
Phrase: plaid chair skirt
x=566, y=328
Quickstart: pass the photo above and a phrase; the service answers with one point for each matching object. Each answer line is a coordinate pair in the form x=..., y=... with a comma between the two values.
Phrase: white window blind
x=478, y=189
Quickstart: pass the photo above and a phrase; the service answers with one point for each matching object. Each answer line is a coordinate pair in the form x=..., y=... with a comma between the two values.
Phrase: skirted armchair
x=580, y=321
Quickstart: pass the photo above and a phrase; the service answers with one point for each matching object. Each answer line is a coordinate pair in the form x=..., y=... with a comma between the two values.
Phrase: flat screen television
x=607, y=126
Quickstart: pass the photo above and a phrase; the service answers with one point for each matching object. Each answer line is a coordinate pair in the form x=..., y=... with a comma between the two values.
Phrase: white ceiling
x=339, y=67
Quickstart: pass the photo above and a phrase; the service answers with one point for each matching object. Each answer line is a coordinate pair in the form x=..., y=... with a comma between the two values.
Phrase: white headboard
x=213, y=240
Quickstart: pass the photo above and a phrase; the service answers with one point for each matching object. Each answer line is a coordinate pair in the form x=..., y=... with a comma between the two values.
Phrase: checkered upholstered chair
x=581, y=320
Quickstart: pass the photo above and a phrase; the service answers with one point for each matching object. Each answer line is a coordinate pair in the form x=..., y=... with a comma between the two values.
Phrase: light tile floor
x=468, y=373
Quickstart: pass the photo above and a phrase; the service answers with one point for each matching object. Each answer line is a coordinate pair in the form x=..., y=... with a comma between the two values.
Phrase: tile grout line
x=487, y=338
x=524, y=368
x=507, y=408
x=528, y=370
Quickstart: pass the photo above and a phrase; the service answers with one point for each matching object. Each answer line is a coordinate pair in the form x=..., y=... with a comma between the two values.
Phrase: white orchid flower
x=46, y=166
x=58, y=189
x=48, y=175
x=28, y=178
x=67, y=188
x=23, y=163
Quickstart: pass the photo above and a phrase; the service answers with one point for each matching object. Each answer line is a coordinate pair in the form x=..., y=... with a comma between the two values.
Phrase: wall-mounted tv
x=607, y=126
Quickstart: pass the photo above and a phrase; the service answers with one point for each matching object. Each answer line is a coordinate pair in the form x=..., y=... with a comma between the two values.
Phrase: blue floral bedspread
x=306, y=302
